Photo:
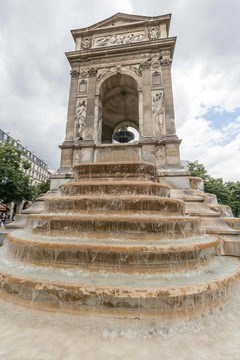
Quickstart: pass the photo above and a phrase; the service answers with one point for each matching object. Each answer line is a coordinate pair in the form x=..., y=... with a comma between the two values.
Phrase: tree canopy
x=228, y=193
x=14, y=185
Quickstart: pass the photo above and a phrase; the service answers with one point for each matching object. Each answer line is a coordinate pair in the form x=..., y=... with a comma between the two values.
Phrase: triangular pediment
x=121, y=19
x=118, y=20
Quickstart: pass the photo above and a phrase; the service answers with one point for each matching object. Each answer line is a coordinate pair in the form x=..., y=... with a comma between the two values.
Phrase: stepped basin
x=181, y=293
x=72, y=225
x=127, y=171
x=123, y=203
x=115, y=187
x=113, y=255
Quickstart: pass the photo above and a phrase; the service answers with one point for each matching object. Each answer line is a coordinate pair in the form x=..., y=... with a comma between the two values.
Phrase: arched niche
x=119, y=104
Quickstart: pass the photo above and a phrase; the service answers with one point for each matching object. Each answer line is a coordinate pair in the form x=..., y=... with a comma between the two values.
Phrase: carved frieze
x=119, y=39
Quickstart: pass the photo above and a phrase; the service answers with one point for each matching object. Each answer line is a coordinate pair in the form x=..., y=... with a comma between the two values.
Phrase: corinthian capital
x=74, y=73
x=165, y=62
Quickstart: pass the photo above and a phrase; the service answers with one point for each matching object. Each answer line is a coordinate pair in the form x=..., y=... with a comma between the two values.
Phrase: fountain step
x=128, y=256
x=114, y=170
x=123, y=203
x=218, y=226
x=101, y=187
x=181, y=293
x=200, y=209
x=73, y=225
x=187, y=195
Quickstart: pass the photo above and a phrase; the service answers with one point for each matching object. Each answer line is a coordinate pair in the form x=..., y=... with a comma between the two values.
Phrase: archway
x=119, y=100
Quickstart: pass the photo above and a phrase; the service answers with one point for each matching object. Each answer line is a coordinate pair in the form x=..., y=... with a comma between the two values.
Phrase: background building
x=38, y=172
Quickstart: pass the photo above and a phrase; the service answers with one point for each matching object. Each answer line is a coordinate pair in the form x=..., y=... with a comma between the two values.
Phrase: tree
x=14, y=185
x=234, y=196
x=42, y=187
x=198, y=170
x=227, y=193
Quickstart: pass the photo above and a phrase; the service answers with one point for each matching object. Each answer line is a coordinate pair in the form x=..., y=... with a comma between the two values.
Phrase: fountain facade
x=125, y=231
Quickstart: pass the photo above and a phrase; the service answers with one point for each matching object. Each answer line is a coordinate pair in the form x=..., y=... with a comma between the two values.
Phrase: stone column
x=72, y=105
x=168, y=96
x=147, y=99
x=89, y=126
x=67, y=146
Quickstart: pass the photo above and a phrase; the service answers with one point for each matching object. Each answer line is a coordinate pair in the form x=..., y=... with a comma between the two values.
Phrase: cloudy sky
x=34, y=73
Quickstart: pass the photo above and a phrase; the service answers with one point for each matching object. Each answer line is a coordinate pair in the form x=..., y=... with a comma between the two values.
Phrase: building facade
x=38, y=171
x=121, y=79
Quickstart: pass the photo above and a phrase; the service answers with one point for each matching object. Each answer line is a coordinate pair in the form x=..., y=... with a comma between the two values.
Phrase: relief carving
x=119, y=39
x=103, y=72
x=146, y=64
x=93, y=71
x=157, y=111
x=74, y=73
x=80, y=118
x=153, y=33
x=136, y=69
x=86, y=43
x=165, y=59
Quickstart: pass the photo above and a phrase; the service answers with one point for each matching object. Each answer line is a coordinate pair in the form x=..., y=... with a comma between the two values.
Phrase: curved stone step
x=123, y=203
x=114, y=170
x=101, y=187
x=113, y=255
x=114, y=294
x=73, y=225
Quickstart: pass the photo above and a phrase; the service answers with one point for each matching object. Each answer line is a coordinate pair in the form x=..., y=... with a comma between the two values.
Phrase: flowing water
x=27, y=334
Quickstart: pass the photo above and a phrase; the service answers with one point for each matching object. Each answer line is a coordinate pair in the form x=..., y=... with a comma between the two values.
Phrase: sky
x=34, y=73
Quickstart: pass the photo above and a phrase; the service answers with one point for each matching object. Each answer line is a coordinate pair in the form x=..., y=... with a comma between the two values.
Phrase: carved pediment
x=121, y=20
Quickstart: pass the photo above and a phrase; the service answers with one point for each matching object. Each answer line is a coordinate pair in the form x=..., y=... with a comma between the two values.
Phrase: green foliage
x=42, y=188
x=234, y=196
x=26, y=164
x=14, y=185
x=227, y=193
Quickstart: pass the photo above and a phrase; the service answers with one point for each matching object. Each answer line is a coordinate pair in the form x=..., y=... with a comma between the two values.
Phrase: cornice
x=120, y=50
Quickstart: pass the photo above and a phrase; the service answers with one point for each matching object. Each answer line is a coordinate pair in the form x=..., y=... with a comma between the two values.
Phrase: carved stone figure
x=80, y=117
x=156, y=110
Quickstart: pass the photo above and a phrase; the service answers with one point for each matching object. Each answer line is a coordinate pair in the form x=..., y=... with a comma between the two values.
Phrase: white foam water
x=28, y=334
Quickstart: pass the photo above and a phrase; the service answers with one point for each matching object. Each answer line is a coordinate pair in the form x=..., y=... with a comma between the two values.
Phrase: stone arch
x=118, y=96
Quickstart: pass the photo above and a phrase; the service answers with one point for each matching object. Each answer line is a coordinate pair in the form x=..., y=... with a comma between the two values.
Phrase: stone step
x=113, y=255
x=200, y=209
x=74, y=225
x=101, y=293
x=106, y=187
x=114, y=170
x=123, y=203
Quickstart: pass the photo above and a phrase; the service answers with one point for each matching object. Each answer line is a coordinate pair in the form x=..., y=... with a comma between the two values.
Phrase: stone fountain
x=125, y=232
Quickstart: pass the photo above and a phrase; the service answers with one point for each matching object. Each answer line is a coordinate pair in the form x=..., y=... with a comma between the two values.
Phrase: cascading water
x=134, y=264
